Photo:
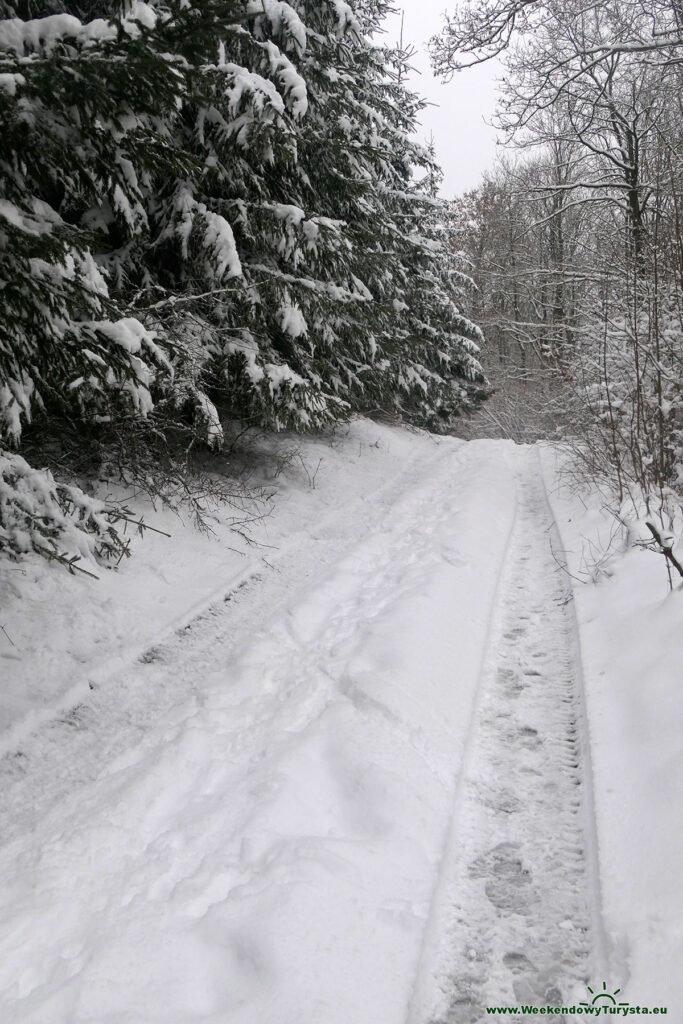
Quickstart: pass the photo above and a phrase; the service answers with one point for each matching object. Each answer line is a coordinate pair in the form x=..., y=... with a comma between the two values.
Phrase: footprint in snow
x=507, y=878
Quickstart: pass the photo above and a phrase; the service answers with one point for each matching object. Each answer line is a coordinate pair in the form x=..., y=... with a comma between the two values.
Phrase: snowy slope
x=62, y=633
x=632, y=655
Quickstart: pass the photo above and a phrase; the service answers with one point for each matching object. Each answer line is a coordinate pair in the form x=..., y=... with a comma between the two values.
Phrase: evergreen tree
x=218, y=204
x=408, y=350
x=82, y=115
x=344, y=300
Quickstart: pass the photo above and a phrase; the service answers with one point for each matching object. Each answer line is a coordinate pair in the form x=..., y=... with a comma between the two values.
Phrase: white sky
x=465, y=145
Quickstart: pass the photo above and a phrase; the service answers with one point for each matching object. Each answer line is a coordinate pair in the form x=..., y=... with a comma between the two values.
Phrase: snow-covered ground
x=349, y=776
x=631, y=656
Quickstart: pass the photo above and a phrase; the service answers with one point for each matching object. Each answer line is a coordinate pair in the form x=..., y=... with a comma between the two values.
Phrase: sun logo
x=607, y=997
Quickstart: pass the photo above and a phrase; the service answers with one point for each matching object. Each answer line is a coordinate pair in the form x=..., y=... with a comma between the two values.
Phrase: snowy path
x=250, y=827
x=516, y=914
x=75, y=746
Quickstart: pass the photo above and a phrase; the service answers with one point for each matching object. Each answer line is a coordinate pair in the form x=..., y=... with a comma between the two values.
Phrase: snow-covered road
x=356, y=790
x=516, y=915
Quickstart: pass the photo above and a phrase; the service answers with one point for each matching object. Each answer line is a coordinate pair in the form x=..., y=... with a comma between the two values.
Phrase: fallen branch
x=665, y=547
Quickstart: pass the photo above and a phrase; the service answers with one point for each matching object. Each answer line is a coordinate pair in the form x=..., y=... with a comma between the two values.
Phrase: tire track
x=517, y=914
x=74, y=748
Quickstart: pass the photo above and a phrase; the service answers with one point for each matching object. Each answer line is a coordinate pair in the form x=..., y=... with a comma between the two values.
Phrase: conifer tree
x=81, y=107
x=308, y=165
x=216, y=204
x=410, y=350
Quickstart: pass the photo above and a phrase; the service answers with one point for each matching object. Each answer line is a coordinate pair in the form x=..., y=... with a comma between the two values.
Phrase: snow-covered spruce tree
x=407, y=349
x=81, y=108
x=312, y=275
x=326, y=281
x=225, y=246
x=214, y=202
x=402, y=348
x=98, y=123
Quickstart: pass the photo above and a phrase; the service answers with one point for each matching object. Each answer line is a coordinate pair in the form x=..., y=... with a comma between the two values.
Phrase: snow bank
x=632, y=651
x=63, y=634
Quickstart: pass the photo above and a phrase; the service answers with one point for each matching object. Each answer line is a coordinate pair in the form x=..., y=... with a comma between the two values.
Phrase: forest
x=575, y=238
x=219, y=216
x=381, y=723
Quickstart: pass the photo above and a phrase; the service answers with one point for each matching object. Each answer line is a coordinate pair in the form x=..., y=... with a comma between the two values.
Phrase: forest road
x=516, y=913
x=357, y=792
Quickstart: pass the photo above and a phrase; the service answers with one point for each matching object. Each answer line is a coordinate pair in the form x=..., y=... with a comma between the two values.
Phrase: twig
x=8, y=636
x=666, y=549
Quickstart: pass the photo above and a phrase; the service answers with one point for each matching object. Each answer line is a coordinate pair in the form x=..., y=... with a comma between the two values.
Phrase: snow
x=292, y=321
x=283, y=19
x=42, y=36
x=286, y=212
x=253, y=86
x=15, y=404
x=128, y=332
x=10, y=81
x=291, y=82
x=222, y=261
x=37, y=513
x=631, y=652
x=515, y=920
x=267, y=852
x=220, y=241
x=209, y=417
x=251, y=783
x=346, y=19
x=19, y=219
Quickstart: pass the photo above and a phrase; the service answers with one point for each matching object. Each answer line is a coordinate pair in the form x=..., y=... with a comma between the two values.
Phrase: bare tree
x=581, y=258
x=478, y=31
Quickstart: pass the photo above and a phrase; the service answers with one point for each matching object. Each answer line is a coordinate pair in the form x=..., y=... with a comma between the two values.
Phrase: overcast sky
x=465, y=145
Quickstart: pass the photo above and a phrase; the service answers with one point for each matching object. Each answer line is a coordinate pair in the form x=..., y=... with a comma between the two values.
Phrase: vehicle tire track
x=516, y=915
x=74, y=748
